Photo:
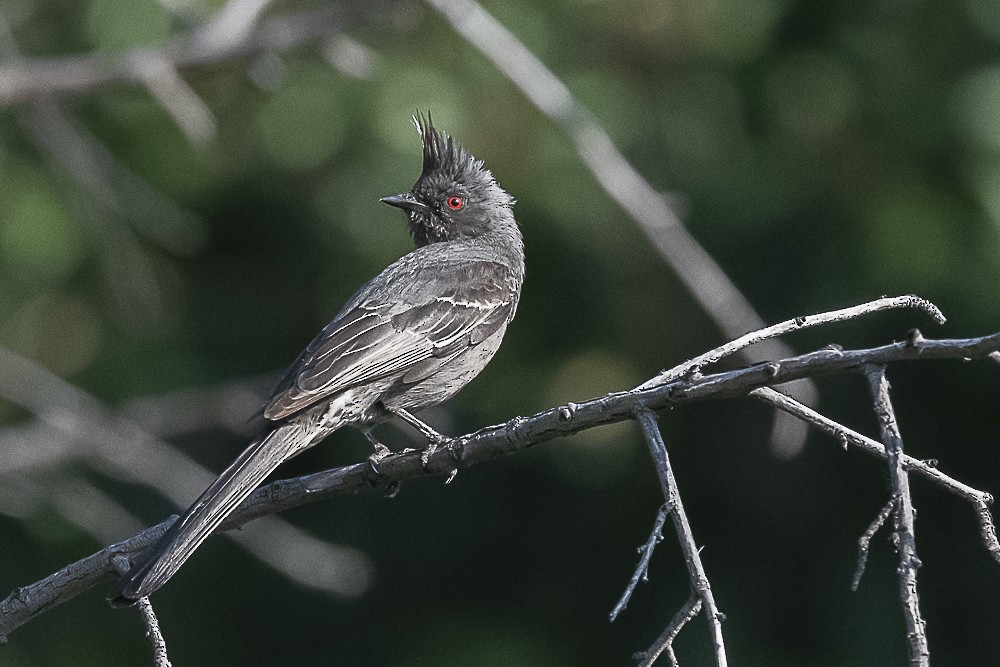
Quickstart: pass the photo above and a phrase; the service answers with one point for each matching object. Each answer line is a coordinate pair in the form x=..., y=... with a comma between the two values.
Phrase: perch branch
x=520, y=433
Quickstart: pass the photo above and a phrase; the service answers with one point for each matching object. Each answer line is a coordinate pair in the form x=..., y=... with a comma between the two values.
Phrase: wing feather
x=377, y=336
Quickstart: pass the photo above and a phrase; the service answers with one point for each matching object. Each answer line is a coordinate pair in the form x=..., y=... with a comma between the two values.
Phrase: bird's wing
x=433, y=314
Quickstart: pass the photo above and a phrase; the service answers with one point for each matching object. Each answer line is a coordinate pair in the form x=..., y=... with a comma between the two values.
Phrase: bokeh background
x=825, y=153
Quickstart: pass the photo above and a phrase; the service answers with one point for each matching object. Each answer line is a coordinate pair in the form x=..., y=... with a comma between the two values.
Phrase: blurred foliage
x=825, y=153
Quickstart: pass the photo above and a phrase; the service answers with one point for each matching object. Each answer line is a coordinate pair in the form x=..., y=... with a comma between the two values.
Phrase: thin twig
x=903, y=517
x=160, y=658
x=665, y=642
x=864, y=542
x=145, y=608
x=645, y=554
x=692, y=555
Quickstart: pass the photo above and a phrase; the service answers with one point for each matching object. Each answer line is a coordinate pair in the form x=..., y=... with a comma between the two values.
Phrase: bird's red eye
x=454, y=202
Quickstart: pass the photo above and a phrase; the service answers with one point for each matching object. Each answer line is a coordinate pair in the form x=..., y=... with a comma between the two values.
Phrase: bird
x=408, y=339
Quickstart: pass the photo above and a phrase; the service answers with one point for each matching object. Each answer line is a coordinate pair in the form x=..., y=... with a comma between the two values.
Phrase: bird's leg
x=380, y=450
x=434, y=439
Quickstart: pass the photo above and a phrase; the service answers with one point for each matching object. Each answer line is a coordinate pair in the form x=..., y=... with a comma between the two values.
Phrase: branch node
x=693, y=374
x=456, y=447
x=567, y=412
x=915, y=339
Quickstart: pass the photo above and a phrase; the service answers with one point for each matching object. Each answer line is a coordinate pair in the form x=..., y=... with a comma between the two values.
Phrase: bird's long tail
x=234, y=484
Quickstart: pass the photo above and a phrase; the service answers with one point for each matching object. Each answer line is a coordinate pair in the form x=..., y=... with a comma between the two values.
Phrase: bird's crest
x=445, y=157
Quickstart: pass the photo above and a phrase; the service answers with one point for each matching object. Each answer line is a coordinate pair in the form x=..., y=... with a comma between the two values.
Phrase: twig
x=664, y=643
x=154, y=634
x=903, y=516
x=145, y=608
x=523, y=432
x=645, y=554
x=692, y=556
x=865, y=540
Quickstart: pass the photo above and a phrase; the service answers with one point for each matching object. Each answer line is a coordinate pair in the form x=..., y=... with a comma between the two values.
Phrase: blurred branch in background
x=74, y=427
x=228, y=37
x=236, y=31
x=37, y=85
x=721, y=300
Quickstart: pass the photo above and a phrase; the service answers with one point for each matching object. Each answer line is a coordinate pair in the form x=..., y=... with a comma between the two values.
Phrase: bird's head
x=455, y=196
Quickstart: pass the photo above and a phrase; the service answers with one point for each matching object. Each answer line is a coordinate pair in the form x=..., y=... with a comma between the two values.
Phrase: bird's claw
x=379, y=454
x=434, y=443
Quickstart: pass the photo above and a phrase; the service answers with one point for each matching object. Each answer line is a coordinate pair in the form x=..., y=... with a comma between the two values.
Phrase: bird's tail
x=234, y=484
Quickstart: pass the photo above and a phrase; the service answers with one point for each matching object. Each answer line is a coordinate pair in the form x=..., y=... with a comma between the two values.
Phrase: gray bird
x=408, y=339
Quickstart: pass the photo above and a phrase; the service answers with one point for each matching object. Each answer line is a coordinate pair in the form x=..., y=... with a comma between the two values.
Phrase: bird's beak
x=406, y=201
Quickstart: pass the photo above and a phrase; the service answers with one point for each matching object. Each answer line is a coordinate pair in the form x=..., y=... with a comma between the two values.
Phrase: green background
x=825, y=153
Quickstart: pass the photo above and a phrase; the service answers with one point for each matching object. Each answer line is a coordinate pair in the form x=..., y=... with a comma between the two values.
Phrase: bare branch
x=903, y=516
x=520, y=433
x=692, y=555
x=979, y=499
x=26, y=602
x=794, y=324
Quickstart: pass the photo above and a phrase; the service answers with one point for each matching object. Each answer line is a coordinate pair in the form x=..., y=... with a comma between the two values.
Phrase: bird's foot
x=379, y=452
x=425, y=456
x=434, y=443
